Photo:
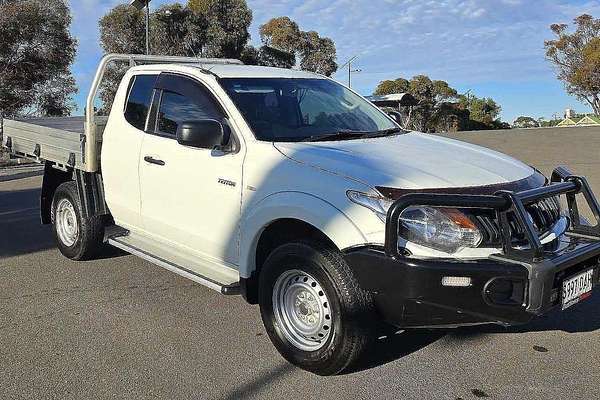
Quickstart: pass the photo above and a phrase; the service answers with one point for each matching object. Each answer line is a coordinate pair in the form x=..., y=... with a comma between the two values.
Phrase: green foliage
x=199, y=6
x=308, y=49
x=209, y=28
x=525, y=122
x=399, y=85
x=281, y=33
x=267, y=56
x=178, y=31
x=576, y=57
x=441, y=108
x=227, y=30
x=317, y=53
x=122, y=30
x=53, y=96
x=483, y=110
x=549, y=123
x=272, y=57
x=36, y=50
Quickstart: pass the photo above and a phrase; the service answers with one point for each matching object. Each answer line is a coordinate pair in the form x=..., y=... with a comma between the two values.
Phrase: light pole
x=139, y=4
x=350, y=70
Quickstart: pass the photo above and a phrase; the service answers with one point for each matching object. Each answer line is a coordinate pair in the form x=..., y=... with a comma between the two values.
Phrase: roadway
x=119, y=327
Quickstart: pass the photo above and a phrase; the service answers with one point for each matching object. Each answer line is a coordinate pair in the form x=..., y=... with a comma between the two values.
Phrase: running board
x=226, y=289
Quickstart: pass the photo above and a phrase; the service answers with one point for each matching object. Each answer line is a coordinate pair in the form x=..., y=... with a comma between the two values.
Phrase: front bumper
x=508, y=288
x=409, y=292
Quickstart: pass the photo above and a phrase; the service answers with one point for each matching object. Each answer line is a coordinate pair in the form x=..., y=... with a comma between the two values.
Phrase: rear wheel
x=313, y=309
x=77, y=238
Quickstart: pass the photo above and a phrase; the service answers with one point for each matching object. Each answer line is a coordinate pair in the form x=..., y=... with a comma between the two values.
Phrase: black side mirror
x=396, y=116
x=204, y=134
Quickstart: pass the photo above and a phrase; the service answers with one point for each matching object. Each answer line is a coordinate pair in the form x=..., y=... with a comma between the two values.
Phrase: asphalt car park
x=120, y=327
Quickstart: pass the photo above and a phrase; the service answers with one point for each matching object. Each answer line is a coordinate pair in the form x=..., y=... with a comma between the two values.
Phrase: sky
x=494, y=48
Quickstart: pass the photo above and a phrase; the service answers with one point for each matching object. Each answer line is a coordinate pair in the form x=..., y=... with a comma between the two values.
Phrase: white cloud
x=466, y=42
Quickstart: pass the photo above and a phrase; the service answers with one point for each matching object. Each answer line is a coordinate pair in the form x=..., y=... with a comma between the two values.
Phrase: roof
x=238, y=70
x=569, y=121
x=589, y=120
x=392, y=100
x=255, y=71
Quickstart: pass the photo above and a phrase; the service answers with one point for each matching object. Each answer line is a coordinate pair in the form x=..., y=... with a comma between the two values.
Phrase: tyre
x=77, y=238
x=313, y=309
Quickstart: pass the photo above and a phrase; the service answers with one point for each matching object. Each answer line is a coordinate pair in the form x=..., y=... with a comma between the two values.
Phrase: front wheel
x=313, y=309
x=77, y=238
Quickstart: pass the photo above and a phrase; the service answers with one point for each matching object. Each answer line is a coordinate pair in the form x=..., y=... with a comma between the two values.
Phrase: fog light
x=456, y=281
x=505, y=291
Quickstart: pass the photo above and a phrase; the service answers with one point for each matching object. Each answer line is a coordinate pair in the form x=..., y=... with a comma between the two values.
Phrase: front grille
x=544, y=214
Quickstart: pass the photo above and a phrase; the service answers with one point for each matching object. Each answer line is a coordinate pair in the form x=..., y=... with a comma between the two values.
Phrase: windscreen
x=288, y=110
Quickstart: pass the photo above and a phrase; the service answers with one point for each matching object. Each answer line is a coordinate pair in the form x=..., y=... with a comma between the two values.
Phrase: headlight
x=443, y=229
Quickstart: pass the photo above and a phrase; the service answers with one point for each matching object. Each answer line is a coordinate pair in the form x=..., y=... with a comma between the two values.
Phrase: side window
x=184, y=100
x=139, y=99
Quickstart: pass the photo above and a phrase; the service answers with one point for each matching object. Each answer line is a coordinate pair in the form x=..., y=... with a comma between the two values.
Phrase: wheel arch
x=288, y=216
x=90, y=189
x=52, y=179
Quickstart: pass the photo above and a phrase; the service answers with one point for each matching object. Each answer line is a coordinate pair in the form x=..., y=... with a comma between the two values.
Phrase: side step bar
x=233, y=289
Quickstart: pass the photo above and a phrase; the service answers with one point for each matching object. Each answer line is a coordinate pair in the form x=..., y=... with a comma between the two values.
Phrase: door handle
x=153, y=160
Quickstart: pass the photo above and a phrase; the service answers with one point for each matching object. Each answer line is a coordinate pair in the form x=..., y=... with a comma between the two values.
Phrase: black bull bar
x=504, y=203
x=543, y=265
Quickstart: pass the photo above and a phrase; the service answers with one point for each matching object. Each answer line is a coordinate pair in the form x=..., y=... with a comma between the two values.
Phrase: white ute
x=296, y=192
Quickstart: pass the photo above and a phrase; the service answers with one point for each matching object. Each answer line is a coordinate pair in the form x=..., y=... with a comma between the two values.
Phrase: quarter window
x=139, y=100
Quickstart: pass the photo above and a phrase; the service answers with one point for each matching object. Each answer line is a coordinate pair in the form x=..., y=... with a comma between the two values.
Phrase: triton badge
x=226, y=182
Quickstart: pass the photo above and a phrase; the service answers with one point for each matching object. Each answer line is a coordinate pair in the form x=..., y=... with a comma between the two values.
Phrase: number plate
x=577, y=288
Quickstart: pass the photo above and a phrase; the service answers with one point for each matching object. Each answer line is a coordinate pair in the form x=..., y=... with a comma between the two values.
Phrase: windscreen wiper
x=340, y=135
x=384, y=132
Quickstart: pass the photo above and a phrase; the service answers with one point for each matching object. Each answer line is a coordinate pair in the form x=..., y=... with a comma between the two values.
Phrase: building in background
x=580, y=120
x=569, y=121
x=569, y=113
x=589, y=120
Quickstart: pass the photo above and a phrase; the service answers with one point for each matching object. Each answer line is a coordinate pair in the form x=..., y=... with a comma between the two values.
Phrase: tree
x=435, y=111
x=203, y=28
x=441, y=108
x=399, y=85
x=209, y=28
x=576, y=57
x=483, y=111
x=227, y=26
x=122, y=30
x=309, y=50
x=272, y=57
x=54, y=96
x=318, y=54
x=525, y=122
x=267, y=56
x=178, y=31
x=281, y=33
x=36, y=52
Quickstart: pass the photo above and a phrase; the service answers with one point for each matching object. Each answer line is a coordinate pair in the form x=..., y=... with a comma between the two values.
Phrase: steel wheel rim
x=67, y=226
x=302, y=310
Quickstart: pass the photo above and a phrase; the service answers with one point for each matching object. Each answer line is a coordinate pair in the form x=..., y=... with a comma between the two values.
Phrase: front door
x=189, y=196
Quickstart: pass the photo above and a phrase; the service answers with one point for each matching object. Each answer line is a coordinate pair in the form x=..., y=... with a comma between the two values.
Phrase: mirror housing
x=204, y=134
x=396, y=116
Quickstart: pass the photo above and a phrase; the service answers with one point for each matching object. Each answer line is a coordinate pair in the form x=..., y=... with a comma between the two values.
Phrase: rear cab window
x=139, y=100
